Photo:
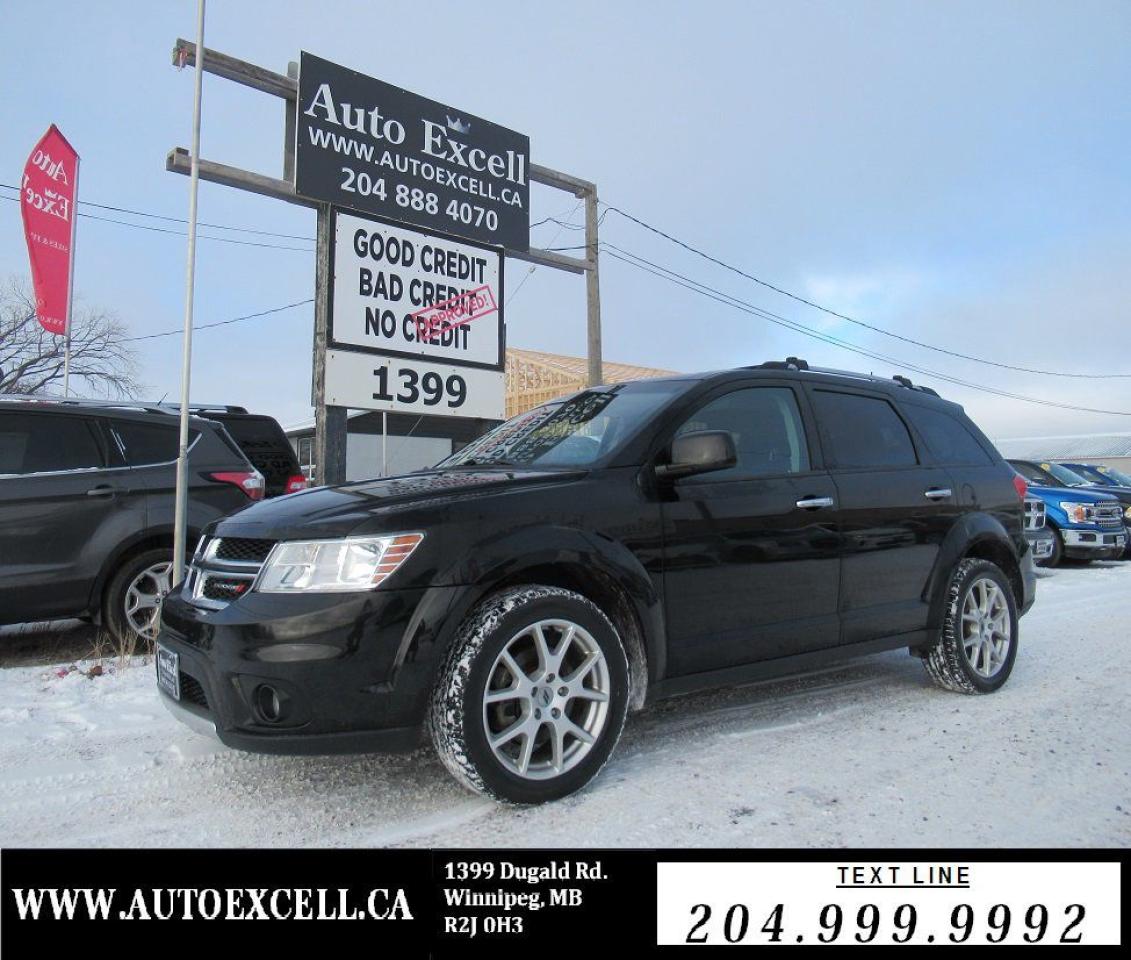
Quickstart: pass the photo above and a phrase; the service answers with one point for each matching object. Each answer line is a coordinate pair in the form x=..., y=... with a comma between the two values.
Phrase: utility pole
x=592, y=289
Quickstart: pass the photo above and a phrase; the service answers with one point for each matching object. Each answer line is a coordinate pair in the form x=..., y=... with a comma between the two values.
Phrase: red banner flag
x=47, y=202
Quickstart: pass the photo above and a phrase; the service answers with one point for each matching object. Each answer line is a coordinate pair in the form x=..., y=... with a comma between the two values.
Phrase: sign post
x=180, y=509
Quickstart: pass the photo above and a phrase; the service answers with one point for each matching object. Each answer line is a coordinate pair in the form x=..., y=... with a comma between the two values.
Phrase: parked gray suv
x=87, y=494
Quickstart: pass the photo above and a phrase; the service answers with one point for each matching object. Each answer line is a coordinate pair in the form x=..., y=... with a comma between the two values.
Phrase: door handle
x=938, y=493
x=105, y=490
x=814, y=503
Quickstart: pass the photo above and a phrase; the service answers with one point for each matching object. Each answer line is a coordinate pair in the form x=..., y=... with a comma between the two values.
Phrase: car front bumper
x=1094, y=544
x=315, y=674
x=1042, y=541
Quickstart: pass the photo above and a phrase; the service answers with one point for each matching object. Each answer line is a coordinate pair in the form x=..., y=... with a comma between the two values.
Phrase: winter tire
x=532, y=696
x=977, y=644
x=132, y=601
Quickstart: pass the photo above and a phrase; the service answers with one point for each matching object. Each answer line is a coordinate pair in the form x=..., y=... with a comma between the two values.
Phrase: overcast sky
x=953, y=172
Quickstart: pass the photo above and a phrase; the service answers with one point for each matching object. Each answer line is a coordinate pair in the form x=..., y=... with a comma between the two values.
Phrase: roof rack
x=906, y=382
x=795, y=363
x=145, y=405
x=789, y=363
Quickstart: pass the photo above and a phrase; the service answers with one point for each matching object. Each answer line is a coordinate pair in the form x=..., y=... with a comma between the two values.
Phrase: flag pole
x=71, y=284
x=190, y=277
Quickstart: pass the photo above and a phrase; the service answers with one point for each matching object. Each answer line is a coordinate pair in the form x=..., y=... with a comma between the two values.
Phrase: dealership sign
x=373, y=147
x=415, y=321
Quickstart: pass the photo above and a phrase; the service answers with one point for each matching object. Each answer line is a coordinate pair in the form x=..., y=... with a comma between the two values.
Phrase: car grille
x=243, y=549
x=192, y=691
x=1034, y=514
x=224, y=569
x=1109, y=515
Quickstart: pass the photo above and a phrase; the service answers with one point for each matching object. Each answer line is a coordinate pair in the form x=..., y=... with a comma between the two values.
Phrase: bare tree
x=31, y=359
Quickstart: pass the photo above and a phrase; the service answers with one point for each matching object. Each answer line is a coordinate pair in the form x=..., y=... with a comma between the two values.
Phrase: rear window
x=145, y=444
x=947, y=437
x=861, y=431
x=255, y=433
x=45, y=443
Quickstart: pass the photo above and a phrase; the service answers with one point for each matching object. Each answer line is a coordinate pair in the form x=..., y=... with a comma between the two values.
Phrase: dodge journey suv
x=585, y=558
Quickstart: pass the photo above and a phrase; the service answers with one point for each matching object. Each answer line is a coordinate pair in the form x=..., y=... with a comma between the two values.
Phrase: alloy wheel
x=985, y=627
x=144, y=596
x=546, y=702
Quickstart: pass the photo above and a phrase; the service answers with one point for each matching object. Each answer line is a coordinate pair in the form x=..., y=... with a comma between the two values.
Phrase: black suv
x=87, y=494
x=628, y=543
x=264, y=443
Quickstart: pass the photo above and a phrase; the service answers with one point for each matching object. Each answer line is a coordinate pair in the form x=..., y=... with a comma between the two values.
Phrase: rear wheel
x=132, y=602
x=977, y=645
x=532, y=696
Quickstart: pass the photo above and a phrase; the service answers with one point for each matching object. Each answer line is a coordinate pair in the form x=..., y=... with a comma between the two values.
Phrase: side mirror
x=701, y=452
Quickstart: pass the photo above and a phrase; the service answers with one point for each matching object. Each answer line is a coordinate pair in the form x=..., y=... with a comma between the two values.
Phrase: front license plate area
x=169, y=672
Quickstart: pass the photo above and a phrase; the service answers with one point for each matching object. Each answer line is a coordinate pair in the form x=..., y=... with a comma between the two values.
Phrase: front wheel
x=976, y=647
x=532, y=696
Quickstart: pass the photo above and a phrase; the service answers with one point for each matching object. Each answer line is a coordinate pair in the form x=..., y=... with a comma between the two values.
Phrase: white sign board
x=399, y=292
x=365, y=381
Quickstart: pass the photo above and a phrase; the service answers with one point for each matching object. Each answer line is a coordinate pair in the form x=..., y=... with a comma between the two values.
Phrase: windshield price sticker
x=887, y=903
x=363, y=381
x=400, y=292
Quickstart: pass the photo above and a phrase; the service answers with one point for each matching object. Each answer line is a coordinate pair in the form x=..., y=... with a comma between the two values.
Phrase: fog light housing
x=271, y=704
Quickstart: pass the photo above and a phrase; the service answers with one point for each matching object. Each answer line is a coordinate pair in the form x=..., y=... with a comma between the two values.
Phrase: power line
x=859, y=323
x=159, y=216
x=222, y=323
x=712, y=293
x=181, y=233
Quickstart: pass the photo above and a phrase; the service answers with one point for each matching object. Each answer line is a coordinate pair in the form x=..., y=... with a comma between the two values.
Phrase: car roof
x=899, y=387
x=119, y=409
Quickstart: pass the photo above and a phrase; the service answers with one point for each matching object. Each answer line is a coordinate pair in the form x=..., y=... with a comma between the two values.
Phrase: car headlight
x=1127, y=513
x=1079, y=512
x=331, y=566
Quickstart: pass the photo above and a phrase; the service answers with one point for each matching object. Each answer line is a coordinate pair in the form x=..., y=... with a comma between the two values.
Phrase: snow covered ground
x=862, y=755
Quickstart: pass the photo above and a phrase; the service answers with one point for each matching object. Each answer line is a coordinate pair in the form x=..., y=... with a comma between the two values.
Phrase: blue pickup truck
x=1088, y=523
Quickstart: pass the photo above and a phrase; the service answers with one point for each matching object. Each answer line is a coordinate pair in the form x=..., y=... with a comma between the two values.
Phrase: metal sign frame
x=330, y=421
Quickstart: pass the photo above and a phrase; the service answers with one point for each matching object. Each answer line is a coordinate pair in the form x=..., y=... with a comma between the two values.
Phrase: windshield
x=1117, y=477
x=1101, y=475
x=1064, y=475
x=576, y=432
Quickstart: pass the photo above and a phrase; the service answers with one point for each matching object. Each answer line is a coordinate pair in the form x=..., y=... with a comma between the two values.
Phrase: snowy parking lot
x=868, y=754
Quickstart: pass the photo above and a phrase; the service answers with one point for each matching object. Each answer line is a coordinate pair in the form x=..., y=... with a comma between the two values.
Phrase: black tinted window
x=947, y=437
x=766, y=426
x=148, y=442
x=44, y=443
x=862, y=431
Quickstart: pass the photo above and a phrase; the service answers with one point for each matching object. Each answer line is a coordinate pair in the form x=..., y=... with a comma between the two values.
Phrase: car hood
x=335, y=511
x=1072, y=494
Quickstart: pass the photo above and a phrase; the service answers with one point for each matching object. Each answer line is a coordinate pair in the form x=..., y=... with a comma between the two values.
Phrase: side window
x=862, y=431
x=765, y=423
x=147, y=443
x=46, y=443
x=946, y=436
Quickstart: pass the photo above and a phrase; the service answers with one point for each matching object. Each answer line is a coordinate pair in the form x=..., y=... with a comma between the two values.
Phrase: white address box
x=883, y=902
x=364, y=381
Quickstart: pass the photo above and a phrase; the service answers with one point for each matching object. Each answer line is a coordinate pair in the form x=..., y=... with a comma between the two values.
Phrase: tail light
x=1020, y=486
x=295, y=483
x=250, y=482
